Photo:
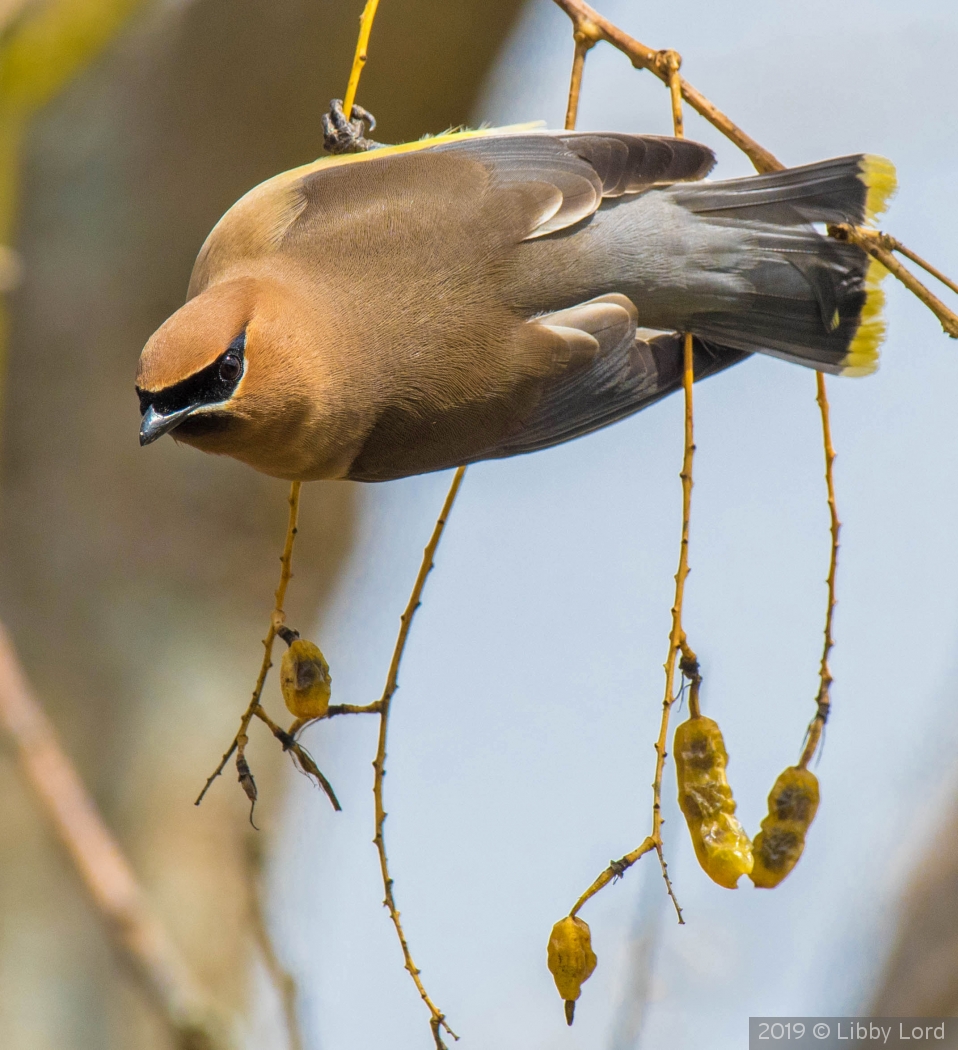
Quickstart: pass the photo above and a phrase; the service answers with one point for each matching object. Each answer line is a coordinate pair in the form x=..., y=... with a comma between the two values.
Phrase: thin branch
x=585, y=35
x=892, y=244
x=873, y=243
x=135, y=930
x=615, y=870
x=584, y=42
x=673, y=62
x=677, y=635
x=303, y=757
x=689, y=667
x=277, y=620
x=823, y=699
x=677, y=640
x=359, y=59
x=354, y=709
x=437, y=1018
x=587, y=19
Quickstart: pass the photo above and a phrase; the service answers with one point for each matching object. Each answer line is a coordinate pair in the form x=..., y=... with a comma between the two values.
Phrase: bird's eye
x=230, y=368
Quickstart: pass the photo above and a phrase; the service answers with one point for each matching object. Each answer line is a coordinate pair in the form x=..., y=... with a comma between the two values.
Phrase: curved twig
x=437, y=1017
x=276, y=621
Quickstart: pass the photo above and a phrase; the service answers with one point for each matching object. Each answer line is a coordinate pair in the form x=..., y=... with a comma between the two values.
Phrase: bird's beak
x=155, y=425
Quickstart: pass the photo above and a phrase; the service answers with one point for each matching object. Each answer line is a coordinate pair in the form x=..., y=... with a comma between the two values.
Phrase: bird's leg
x=342, y=135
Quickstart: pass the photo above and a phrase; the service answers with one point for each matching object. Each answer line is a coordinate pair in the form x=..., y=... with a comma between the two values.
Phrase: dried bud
x=247, y=783
x=792, y=805
x=571, y=959
x=304, y=678
x=721, y=845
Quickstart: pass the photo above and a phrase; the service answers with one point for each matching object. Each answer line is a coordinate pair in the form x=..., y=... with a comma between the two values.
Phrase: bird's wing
x=565, y=174
x=612, y=370
x=581, y=168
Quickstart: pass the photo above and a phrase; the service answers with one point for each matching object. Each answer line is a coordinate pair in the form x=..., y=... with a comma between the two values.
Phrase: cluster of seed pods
x=724, y=850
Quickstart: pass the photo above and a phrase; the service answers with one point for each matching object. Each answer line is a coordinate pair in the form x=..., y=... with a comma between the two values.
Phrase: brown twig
x=677, y=634
x=892, y=244
x=823, y=699
x=874, y=243
x=276, y=621
x=659, y=63
x=136, y=932
x=615, y=870
x=437, y=1019
x=303, y=757
x=585, y=39
x=672, y=61
x=677, y=639
x=588, y=19
x=689, y=666
x=354, y=709
x=283, y=980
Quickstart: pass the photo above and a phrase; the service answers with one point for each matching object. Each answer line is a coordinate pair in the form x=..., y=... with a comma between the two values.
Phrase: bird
x=486, y=293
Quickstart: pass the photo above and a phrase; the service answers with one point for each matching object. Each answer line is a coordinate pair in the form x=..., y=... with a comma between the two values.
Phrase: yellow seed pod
x=304, y=678
x=792, y=805
x=571, y=959
x=721, y=845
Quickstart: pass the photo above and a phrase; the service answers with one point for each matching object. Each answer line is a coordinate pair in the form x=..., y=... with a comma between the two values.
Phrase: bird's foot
x=347, y=136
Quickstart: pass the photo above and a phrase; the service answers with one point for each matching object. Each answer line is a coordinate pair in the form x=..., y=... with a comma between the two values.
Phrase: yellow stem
x=673, y=62
x=437, y=1018
x=584, y=41
x=359, y=59
x=276, y=620
x=823, y=699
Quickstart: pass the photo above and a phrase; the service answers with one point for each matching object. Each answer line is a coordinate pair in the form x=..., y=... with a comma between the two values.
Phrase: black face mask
x=209, y=386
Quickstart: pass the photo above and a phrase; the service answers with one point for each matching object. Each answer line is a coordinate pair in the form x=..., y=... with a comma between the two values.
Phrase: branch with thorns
x=254, y=708
x=589, y=28
x=678, y=643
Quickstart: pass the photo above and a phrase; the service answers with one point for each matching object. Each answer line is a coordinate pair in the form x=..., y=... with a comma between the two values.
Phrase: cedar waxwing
x=486, y=293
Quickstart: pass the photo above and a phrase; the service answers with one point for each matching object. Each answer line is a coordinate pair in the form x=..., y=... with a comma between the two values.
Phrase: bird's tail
x=762, y=277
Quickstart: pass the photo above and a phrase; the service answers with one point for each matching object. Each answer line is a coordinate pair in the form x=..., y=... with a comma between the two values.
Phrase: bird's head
x=235, y=372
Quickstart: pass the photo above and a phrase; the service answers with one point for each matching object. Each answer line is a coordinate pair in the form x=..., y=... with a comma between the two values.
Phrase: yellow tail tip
x=880, y=180
x=878, y=175
x=862, y=356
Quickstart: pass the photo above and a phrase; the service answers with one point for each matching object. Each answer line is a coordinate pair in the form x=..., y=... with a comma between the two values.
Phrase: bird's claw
x=347, y=136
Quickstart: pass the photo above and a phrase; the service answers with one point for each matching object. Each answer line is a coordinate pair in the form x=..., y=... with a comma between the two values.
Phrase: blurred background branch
x=136, y=932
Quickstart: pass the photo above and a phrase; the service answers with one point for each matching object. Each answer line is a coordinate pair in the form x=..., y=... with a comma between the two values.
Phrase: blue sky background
x=521, y=744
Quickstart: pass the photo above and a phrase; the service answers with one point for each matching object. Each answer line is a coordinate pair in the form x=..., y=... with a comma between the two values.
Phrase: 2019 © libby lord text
x=832, y=1033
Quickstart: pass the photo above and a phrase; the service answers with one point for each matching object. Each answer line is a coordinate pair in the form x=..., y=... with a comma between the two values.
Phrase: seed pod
x=721, y=845
x=304, y=678
x=792, y=805
x=571, y=959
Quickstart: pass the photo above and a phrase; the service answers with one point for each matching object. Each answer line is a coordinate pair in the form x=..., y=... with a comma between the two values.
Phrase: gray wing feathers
x=626, y=369
x=632, y=163
x=828, y=191
x=585, y=167
x=537, y=159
